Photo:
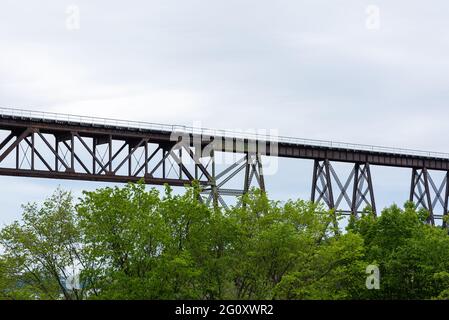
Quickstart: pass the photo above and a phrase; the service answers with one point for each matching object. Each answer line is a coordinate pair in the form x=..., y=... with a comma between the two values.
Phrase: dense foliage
x=130, y=243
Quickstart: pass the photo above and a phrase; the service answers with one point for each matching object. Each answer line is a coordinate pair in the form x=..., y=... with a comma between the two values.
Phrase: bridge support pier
x=422, y=189
x=250, y=164
x=324, y=176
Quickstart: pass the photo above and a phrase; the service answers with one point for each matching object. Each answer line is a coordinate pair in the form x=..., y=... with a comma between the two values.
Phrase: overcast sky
x=332, y=70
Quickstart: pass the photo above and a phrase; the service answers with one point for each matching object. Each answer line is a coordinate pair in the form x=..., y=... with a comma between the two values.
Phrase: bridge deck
x=60, y=124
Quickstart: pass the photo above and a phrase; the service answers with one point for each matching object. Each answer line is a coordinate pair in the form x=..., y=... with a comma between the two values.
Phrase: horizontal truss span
x=59, y=124
x=146, y=126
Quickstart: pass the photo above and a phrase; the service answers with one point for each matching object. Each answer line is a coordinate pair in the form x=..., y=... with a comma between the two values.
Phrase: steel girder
x=323, y=190
x=73, y=155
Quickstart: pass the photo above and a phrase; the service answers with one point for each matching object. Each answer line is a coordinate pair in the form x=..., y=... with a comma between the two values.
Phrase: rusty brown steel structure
x=43, y=148
x=69, y=147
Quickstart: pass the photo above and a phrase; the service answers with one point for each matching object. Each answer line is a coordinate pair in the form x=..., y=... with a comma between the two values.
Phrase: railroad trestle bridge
x=51, y=145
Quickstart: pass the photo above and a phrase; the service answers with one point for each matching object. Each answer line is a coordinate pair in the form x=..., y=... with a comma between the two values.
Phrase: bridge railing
x=39, y=115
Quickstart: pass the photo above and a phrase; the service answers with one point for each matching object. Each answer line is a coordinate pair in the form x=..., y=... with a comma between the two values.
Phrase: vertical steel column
x=316, y=166
x=164, y=155
x=355, y=191
x=430, y=219
x=329, y=184
x=180, y=164
x=18, y=156
x=420, y=181
x=56, y=153
x=247, y=174
x=413, y=185
x=146, y=159
x=72, y=154
x=446, y=202
x=129, y=159
x=371, y=188
x=32, y=150
x=94, y=151
x=261, y=176
x=196, y=171
x=214, y=181
x=110, y=153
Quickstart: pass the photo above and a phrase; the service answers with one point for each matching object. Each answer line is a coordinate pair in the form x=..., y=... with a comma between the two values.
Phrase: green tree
x=412, y=255
x=144, y=246
x=42, y=251
x=132, y=243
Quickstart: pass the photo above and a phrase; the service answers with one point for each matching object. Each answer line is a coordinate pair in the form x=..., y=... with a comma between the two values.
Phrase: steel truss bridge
x=59, y=146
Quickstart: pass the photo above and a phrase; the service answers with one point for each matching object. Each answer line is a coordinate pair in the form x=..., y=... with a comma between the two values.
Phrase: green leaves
x=131, y=242
x=408, y=251
x=42, y=251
